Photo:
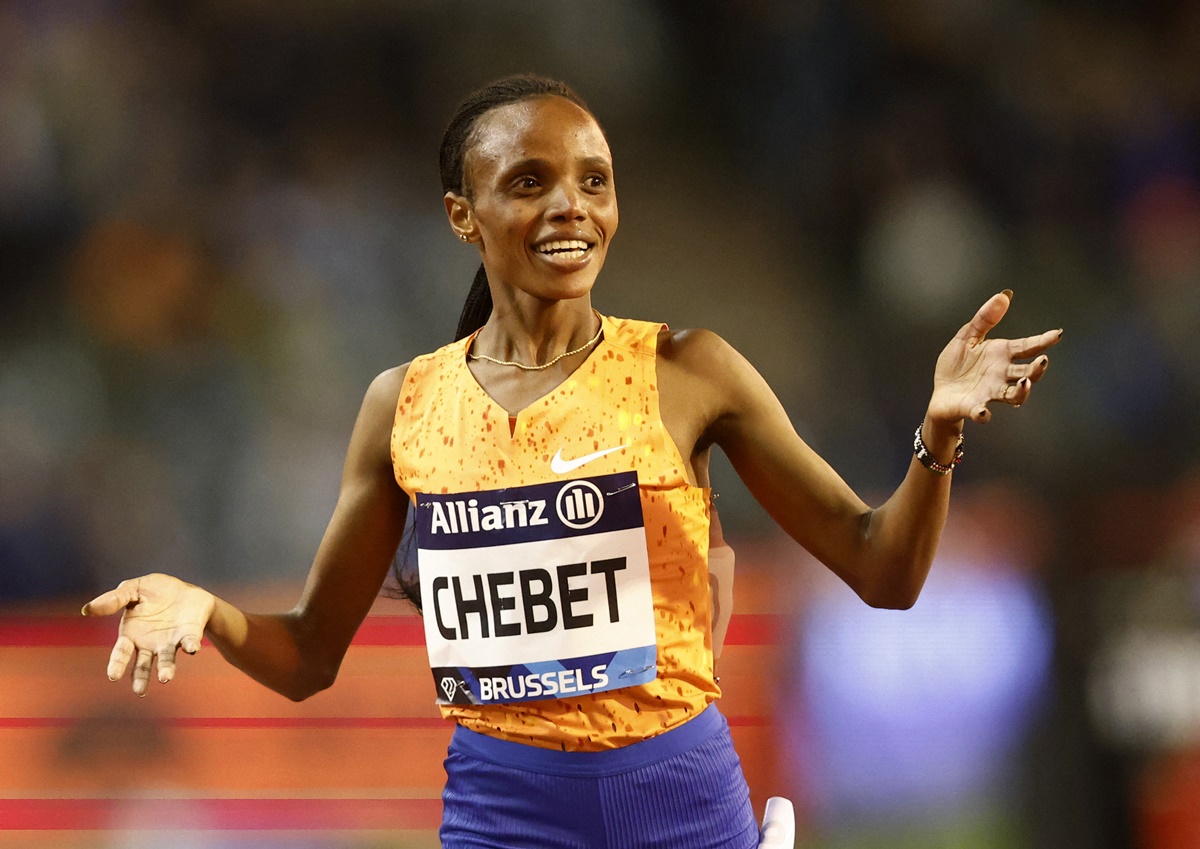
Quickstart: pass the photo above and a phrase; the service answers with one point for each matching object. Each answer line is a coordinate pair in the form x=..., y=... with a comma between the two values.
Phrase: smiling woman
x=555, y=461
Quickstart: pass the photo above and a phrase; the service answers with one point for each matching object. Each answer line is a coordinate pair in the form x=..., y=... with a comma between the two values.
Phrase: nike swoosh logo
x=560, y=466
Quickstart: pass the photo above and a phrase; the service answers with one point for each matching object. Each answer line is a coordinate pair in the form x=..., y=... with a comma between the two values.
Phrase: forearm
x=901, y=537
x=296, y=653
x=274, y=649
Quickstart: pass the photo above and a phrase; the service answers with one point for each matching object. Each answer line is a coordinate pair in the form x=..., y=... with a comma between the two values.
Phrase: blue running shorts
x=682, y=789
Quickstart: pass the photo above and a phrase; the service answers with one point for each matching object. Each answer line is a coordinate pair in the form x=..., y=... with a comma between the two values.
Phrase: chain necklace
x=589, y=343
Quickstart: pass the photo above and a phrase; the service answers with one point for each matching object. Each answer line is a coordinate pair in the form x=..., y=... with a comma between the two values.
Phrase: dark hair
x=456, y=142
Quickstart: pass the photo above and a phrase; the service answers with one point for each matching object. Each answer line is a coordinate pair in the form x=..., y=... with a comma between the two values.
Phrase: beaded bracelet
x=927, y=459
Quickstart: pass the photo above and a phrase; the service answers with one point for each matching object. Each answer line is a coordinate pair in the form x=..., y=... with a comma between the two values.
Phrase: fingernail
x=1060, y=333
x=1008, y=292
x=83, y=610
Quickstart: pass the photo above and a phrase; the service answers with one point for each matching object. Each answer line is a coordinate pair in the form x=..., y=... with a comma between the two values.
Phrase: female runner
x=557, y=461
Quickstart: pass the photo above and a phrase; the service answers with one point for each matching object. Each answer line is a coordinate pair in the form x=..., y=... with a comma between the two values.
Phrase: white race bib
x=536, y=592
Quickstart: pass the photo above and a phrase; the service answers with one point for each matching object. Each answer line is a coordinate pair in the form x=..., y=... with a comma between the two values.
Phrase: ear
x=460, y=214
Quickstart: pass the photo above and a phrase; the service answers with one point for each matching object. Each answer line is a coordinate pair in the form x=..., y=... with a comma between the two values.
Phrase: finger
x=118, y=659
x=141, y=671
x=1033, y=371
x=1021, y=390
x=987, y=317
x=166, y=664
x=1016, y=394
x=112, y=601
x=1031, y=346
x=980, y=414
x=190, y=642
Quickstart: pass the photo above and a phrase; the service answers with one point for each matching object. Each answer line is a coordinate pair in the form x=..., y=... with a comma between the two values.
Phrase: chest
x=603, y=418
x=514, y=390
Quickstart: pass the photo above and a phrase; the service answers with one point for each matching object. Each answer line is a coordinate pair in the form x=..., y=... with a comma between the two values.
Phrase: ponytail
x=477, y=308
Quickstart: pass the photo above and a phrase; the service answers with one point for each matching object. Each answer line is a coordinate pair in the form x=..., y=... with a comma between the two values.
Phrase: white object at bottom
x=779, y=825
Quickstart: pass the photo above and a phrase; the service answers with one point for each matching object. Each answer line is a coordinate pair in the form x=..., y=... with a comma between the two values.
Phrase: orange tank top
x=450, y=437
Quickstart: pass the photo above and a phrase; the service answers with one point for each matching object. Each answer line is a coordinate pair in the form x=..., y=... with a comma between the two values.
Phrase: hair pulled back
x=457, y=140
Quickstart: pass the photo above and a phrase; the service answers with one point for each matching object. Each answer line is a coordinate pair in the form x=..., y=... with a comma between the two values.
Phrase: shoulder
x=709, y=372
x=370, y=444
x=695, y=361
x=684, y=347
x=382, y=396
x=387, y=384
x=696, y=350
x=694, y=373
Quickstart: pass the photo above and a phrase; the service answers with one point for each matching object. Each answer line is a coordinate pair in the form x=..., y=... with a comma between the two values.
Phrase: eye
x=595, y=182
x=525, y=183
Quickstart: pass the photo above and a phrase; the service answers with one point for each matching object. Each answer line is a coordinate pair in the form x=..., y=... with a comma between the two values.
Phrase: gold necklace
x=589, y=343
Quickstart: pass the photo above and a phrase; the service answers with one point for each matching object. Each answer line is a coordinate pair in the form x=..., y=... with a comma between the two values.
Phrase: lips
x=564, y=248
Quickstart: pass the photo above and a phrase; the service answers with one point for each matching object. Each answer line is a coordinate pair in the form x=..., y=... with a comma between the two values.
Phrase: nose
x=566, y=203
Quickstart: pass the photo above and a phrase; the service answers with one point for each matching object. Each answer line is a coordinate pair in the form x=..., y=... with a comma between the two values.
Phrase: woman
x=558, y=463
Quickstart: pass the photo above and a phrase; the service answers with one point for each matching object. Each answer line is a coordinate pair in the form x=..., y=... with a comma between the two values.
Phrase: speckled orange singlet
x=449, y=436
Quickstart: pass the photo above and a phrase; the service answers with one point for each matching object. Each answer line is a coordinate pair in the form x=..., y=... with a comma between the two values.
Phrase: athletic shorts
x=682, y=789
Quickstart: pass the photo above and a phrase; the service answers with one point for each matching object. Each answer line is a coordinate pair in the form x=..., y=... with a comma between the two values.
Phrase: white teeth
x=571, y=248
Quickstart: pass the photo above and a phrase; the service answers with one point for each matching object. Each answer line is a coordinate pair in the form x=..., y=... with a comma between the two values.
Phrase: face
x=541, y=201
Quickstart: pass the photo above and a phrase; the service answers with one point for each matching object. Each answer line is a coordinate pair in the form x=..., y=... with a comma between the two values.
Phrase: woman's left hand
x=972, y=371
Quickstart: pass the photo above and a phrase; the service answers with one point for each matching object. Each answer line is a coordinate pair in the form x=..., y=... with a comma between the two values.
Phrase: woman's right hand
x=161, y=615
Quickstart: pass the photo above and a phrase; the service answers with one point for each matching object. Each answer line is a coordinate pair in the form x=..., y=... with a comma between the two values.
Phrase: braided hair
x=458, y=139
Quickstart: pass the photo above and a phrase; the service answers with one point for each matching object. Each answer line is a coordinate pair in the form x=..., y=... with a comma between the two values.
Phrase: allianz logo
x=579, y=505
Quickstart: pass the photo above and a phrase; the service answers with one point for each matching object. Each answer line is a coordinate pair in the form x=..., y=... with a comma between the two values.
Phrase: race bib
x=536, y=592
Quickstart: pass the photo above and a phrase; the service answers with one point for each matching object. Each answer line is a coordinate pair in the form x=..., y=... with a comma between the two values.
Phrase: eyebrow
x=597, y=162
x=534, y=162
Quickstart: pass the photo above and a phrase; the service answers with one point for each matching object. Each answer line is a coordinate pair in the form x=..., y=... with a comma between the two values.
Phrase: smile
x=564, y=249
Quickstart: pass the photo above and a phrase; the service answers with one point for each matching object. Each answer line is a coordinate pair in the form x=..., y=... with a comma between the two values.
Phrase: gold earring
x=462, y=236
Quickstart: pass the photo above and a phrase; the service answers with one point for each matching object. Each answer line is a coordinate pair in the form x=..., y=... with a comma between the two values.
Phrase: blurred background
x=219, y=220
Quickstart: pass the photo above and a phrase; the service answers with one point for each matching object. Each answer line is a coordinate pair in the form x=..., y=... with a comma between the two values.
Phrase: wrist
x=224, y=621
x=941, y=435
x=938, y=447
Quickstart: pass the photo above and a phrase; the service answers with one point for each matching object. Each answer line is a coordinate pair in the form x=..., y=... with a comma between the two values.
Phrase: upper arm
x=730, y=405
x=364, y=532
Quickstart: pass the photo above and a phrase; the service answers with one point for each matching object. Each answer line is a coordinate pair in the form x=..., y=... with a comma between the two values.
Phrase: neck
x=534, y=332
